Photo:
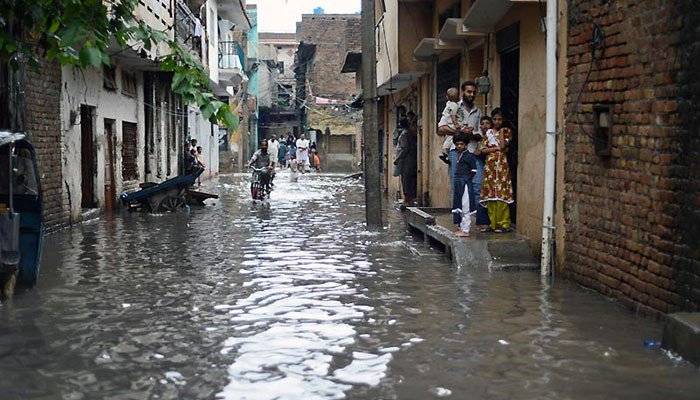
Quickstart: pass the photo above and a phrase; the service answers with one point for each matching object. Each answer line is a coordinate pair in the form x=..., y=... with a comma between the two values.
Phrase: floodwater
x=295, y=300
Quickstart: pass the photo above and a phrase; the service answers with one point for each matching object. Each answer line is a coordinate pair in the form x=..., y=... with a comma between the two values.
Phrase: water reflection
x=292, y=299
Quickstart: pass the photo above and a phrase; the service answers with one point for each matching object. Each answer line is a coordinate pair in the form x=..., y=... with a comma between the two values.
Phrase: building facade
x=280, y=117
x=626, y=156
x=323, y=92
x=100, y=132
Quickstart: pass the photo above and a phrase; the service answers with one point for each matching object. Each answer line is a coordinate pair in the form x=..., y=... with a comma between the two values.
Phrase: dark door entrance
x=447, y=77
x=110, y=184
x=87, y=156
x=509, y=54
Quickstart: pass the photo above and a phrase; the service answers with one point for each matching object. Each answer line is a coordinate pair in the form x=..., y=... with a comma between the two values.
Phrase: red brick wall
x=42, y=121
x=631, y=218
x=331, y=33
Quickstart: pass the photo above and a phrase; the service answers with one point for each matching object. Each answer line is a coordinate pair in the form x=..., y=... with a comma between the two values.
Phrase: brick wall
x=632, y=222
x=42, y=120
x=329, y=33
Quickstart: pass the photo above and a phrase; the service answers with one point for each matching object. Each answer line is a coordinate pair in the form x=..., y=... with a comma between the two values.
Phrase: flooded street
x=295, y=300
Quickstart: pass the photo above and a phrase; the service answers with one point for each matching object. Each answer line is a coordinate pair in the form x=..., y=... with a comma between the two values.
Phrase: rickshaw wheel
x=8, y=281
x=172, y=203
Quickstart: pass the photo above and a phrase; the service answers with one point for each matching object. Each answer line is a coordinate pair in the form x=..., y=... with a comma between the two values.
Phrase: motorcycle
x=261, y=183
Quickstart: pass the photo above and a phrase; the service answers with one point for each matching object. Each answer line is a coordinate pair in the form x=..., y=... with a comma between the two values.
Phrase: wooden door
x=110, y=183
x=87, y=157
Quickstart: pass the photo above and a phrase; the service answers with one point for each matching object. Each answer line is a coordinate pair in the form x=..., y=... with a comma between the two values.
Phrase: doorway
x=87, y=156
x=110, y=182
x=508, y=42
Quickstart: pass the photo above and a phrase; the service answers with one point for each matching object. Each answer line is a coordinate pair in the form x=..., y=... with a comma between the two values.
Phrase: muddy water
x=294, y=300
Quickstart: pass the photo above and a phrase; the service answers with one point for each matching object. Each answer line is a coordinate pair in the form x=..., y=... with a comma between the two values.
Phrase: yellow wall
x=531, y=116
x=388, y=50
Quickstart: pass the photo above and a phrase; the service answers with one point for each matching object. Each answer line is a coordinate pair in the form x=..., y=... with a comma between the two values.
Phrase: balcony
x=188, y=28
x=231, y=62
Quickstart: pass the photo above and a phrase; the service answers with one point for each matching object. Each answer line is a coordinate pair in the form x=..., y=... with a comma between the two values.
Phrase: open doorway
x=508, y=41
x=87, y=156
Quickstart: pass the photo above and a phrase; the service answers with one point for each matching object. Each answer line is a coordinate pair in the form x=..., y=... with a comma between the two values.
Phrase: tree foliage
x=81, y=33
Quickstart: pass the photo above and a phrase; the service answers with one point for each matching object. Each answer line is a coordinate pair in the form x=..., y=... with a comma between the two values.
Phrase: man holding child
x=468, y=121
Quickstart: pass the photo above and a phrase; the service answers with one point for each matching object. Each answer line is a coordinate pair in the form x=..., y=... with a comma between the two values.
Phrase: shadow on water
x=293, y=299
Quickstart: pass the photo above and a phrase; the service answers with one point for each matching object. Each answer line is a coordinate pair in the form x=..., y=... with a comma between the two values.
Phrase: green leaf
x=229, y=119
x=90, y=55
x=54, y=26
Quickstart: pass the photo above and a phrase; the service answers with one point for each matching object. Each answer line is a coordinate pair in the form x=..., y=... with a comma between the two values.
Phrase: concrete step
x=682, y=335
x=508, y=251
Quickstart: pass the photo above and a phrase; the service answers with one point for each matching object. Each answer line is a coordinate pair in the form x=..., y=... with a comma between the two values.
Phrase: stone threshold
x=496, y=251
x=682, y=335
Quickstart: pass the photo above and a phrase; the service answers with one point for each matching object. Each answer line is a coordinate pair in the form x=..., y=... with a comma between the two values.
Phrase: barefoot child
x=450, y=119
x=496, y=188
x=462, y=204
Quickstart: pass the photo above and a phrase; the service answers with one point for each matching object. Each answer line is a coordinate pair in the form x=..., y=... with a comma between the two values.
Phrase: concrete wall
x=86, y=88
x=212, y=61
x=387, y=37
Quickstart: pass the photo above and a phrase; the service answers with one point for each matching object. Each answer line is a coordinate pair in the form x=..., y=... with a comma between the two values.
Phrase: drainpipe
x=550, y=143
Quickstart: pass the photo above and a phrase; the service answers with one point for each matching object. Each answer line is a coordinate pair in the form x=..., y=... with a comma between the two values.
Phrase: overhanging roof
x=484, y=14
x=454, y=29
x=353, y=62
x=431, y=47
x=234, y=11
x=398, y=82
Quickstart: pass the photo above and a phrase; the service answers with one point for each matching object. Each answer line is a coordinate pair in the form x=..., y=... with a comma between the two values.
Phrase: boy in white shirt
x=450, y=119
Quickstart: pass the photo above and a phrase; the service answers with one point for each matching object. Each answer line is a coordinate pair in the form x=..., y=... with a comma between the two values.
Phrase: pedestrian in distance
x=463, y=204
x=282, y=154
x=316, y=160
x=273, y=147
x=199, y=156
x=302, y=145
x=406, y=161
x=497, y=189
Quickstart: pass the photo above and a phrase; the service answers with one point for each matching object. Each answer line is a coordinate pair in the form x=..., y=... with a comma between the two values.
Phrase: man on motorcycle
x=262, y=160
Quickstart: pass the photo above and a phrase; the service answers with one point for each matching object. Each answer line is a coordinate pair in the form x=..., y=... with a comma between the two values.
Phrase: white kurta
x=303, y=152
x=273, y=148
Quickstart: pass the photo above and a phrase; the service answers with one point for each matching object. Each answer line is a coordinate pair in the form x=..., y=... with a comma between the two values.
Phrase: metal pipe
x=10, y=178
x=550, y=141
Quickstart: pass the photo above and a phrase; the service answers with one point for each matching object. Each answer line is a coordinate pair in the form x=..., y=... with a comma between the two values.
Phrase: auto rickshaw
x=21, y=224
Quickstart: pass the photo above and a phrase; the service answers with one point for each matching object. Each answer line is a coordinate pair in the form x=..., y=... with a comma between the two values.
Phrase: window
x=128, y=84
x=109, y=77
x=129, y=143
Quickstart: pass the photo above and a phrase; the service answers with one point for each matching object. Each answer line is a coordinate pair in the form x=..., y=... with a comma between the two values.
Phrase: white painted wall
x=213, y=43
x=86, y=87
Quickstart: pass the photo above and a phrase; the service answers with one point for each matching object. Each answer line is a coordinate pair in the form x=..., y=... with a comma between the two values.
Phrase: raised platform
x=682, y=335
x=501, y=251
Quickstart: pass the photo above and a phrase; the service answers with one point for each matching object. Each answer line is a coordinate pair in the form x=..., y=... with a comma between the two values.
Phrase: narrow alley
x=294, y=299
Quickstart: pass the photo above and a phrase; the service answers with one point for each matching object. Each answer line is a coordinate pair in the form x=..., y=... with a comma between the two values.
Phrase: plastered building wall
x=86, y=88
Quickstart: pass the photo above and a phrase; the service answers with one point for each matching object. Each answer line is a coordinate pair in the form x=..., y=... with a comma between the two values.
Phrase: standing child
x=450, y=119
x=463, y=205
x=496, y=188
x=317, y=160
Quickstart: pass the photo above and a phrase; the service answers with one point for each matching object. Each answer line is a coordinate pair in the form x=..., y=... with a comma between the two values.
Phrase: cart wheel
x=8, y=281
x=172, y=203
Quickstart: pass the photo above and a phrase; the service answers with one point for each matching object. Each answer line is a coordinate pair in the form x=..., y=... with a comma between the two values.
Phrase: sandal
x=486, y=230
